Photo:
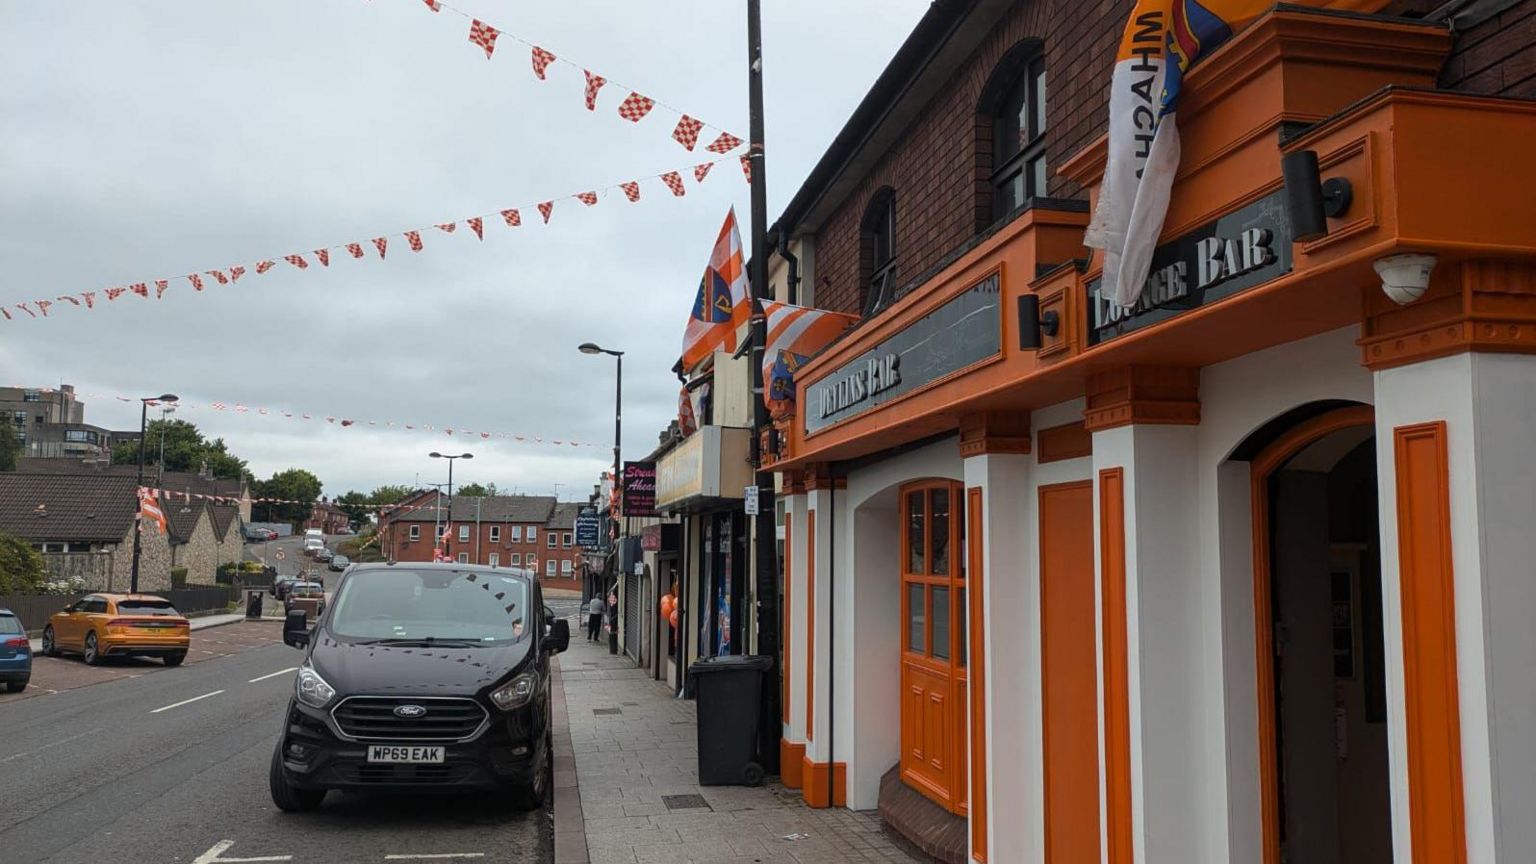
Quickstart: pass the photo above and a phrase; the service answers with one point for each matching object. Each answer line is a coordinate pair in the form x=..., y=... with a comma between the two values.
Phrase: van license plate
x=404, y=755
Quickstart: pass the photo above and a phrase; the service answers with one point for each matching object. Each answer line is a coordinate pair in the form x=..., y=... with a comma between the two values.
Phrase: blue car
x=15, y=653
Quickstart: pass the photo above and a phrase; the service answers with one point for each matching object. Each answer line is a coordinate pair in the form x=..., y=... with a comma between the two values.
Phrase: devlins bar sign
x=965, y=330
x=1236, y=252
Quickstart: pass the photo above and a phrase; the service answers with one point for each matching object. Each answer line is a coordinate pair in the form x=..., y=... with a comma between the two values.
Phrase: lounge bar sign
x=1236, y=252
x=965, y=330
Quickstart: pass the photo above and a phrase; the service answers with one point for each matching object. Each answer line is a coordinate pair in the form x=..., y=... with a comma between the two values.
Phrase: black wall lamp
x=1311, y=200
x=1033, y=325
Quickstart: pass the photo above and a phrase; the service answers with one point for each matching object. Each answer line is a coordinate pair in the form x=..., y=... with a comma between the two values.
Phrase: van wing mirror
x=559, y=637
x=296, y=628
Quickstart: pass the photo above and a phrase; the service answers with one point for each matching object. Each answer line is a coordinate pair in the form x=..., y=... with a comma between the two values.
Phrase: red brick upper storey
x=938, y=168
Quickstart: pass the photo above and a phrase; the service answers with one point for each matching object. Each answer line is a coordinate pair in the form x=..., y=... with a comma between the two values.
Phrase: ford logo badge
x=410, y=711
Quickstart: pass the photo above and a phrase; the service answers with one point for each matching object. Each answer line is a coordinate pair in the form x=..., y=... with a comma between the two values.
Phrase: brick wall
x=936, y=171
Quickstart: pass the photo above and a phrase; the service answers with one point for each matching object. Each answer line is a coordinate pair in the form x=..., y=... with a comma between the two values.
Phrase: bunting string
x=511, y=216
x=337, y=420
x=178, y=495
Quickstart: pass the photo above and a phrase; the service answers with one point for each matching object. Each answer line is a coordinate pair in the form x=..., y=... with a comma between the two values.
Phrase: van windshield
x=402, y=604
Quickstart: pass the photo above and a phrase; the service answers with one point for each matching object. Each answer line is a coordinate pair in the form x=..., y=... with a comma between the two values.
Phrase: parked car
x=280, y=588
x=339, y=562
x=372, y=712
x=119, y=625
x=306, y=595
x=323, y=554
x=15, y=652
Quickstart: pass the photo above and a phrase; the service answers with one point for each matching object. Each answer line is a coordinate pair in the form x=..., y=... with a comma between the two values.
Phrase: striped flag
x=1162, y=40
x=149, y=510
x=795, y=335
x=722, y=304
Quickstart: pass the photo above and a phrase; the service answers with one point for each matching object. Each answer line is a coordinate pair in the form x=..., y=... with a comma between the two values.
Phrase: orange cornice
x=987, y=432
x=1480, y=305
x=819, y=476
x=1161, y=395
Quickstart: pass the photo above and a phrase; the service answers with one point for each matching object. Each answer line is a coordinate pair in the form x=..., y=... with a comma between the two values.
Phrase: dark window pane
x=915, y=539
x=1037, y=175
x=1039, y=106
x=939, y=531
x=916, y=617
x=962, y=648
x=940, y=623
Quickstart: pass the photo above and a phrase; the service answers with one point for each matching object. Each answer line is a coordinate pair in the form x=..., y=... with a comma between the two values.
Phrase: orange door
x=933, y=730
x=1069, y=679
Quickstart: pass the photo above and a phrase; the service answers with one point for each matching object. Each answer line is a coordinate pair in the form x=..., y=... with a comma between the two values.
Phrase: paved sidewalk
x=616, y=807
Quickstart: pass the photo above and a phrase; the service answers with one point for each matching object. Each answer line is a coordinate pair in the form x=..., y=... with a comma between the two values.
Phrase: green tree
x=476, y=490
x=22, y=569
x=185, y=450
x=10, y=448
x=390, y=494
x=355, y=505
x=294, y=484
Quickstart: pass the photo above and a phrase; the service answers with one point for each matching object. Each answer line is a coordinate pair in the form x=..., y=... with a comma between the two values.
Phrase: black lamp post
x=436, y=455
x=618, y=478
x=138, y=520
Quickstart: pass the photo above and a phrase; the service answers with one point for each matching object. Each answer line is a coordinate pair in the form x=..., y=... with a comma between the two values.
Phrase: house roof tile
x=46, y=507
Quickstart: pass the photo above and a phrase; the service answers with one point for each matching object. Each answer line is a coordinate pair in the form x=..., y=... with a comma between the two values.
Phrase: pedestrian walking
x=595, y=609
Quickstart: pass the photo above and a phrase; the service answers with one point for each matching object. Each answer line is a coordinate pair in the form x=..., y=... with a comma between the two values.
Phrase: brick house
x=562, y=559
x=83, y=525
x=1072, y=535
x=329, y=518
x=529, y=531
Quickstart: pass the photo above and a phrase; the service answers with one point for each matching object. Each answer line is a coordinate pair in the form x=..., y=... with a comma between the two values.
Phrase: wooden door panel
x=1069, y=677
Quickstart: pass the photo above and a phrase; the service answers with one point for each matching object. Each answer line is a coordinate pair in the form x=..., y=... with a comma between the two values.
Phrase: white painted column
x=795, y=507
x=1166, y=615
x=1015, y=785
x=1488, y=403
x=817, y=727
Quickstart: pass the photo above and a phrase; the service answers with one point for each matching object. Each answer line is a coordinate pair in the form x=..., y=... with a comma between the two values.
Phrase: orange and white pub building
x=1244, y=572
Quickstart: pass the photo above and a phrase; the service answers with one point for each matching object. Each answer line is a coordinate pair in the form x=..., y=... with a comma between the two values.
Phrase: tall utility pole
x=765, y=561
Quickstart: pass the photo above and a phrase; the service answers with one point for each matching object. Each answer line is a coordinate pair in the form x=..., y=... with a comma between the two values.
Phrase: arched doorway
x=933, y=643
x=1320, y=645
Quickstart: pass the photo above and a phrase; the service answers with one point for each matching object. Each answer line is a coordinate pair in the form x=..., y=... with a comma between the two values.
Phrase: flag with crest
x=722, y=304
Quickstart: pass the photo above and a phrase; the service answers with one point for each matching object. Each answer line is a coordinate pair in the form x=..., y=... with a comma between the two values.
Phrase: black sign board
x=587, y=527
x=965, y=330
x=1236, y=252
x=639, y=489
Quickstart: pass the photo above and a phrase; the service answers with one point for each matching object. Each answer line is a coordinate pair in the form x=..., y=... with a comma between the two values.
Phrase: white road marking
x=186, y=702
x=213, y=853
x=434, y=857
x=48, y=745
x=273, y=674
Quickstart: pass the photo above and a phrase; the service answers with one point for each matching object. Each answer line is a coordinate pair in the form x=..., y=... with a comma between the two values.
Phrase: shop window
x=917, y=620
x=877, y=253
x=1012, y=112
x=916, y=543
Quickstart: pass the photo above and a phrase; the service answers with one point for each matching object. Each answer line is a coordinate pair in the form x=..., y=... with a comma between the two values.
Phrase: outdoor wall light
x=1311, y=200
x=1405, y=278
x=1033, y=325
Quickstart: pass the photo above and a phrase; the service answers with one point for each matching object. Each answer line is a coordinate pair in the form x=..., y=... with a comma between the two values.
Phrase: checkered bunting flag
x=356, y=249
x=434, y=5
x=414, y=238
x=746, y=167
x=512, y=218
x=236, y=272
x=160, y=286
x=43, y=306
x=114, y=293
x=541, y=61
x=381, y=244
x=724, y=144
x=90, y=299
x=674, y=182
x=587, y=198
x=631, y=190
x=264, y=266
x=686, y=132
x=701, y=171
x=324, y=256
x=635, y=107
x=68, y=299
x=476, y=225
x=484, y=35
x=447, y=227
x=595, y=83
x=219, y=277
x=140, y=289
x=296, y=260
x=196, y=280
x=545, y=209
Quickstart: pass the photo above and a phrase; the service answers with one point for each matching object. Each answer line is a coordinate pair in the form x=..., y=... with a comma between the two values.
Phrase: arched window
x=1014, y=103
x=877, y=253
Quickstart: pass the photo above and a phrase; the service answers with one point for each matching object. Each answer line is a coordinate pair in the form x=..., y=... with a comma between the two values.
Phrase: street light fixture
x=138, y=522
x=618, y=416
x=436, y=455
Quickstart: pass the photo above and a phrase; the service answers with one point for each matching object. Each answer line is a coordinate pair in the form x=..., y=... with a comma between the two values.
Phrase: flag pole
x=765, y=560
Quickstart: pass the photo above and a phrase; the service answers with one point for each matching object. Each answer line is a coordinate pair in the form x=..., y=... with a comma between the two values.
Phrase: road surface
x=171, y=766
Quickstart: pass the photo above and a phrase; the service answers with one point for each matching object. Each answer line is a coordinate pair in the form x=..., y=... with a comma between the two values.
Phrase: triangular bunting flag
x=687, y=132
x=545, y=209
x=140, y=289
x=484, y=35
x=90, y=299
x=541, y=61
x=434, y=5
x=724, y=144
x=587, y=198
x=114, y=293
x=324, y=255
x=512, y=217
x=6, y=313
x=381, y=244
x=160, y=286
x=635, y=107
x=414, y=238
x=219, y=277
x=296, y=260
x=196, y=280
x=476, y=225
x=68, y=299
x=264, y=266
x=236, y=272
x=631, y=190
x=27, y=309
x=447, y=227
x=701, y=170
x=674, y=182
x=356, y=249
x=42, y=306
x=746, y=167
x=595, y=83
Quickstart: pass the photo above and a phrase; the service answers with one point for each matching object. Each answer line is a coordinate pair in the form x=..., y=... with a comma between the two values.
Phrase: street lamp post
x=618, y=478
x=138, y=521
x=436, y=455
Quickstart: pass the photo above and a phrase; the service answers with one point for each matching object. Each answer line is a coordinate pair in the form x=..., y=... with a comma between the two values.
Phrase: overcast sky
x=141, y=140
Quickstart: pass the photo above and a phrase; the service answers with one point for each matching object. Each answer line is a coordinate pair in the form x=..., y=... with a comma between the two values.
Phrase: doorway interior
x=1322, y=698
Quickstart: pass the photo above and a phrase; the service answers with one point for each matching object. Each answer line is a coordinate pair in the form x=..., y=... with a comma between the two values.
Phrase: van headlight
x=311, y=689
x=517, y=692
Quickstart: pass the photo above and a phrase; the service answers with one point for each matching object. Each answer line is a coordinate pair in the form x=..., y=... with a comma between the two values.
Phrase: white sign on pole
x=752, y=501
x=280, y=555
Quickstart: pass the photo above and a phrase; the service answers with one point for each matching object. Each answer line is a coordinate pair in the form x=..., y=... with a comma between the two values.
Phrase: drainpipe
x=792, y=281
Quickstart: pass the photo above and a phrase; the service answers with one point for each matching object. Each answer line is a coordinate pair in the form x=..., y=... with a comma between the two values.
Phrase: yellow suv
x=119, y=625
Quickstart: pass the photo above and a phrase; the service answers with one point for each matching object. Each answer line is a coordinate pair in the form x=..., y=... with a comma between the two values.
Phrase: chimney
x=203, y=472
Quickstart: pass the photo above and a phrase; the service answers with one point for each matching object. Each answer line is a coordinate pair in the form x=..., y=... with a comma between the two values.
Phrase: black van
x=421, y=678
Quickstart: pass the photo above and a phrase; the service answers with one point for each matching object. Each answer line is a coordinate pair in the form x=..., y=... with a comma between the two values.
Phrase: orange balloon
x=673, y=619
x=666, y=607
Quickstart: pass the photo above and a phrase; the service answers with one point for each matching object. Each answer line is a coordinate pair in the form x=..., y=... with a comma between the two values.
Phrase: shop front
x=1236, y=572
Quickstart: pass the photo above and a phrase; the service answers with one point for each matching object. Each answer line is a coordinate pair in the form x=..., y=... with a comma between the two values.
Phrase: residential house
x=83, y=526
x=329, y=518
x=497, y=531
x=562, y=560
